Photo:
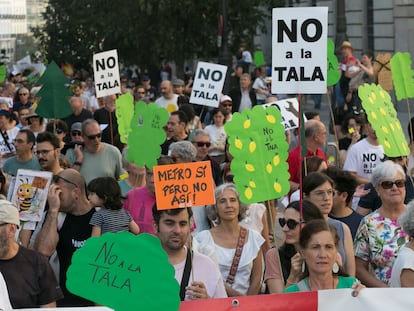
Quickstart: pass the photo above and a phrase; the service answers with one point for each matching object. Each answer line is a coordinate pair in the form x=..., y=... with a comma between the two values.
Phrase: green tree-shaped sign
x=402, y=75
x=333, y=73
x=258, y=144
x=124, y=114
x=54, y=95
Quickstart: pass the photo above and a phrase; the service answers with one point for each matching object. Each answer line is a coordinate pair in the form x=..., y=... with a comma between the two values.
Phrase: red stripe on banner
x=274, y=302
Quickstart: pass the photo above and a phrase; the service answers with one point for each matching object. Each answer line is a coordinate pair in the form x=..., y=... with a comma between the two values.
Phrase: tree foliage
x=147, y=32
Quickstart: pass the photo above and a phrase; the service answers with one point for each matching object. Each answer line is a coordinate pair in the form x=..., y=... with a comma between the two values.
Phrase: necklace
x=312, y=288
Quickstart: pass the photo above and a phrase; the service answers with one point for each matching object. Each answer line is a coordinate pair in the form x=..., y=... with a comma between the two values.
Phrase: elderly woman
x=380, y=236
x=182, y=152
x=290, y=258
x=320, y=190
x=237, y=249
x=318, y=246
x=402, y=274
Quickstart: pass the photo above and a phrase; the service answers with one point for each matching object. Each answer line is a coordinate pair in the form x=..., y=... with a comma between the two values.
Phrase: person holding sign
x=172, y=227
x=237, y=249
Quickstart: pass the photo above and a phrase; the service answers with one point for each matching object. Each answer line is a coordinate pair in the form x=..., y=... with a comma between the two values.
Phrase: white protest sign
x=106, y=73
x=208, y=84
x=289, y=108
x=299, y=53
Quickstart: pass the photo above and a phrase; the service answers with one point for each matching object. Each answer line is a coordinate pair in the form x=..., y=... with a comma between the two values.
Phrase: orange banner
x=183, y=185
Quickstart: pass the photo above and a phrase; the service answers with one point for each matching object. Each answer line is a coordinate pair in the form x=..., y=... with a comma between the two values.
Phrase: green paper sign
x=259, y=58
x=124, y=113
x=54, y=95
x=402, y=75
x=383, y=118
x=124, y=272
x=147, y=134
x=3, y=73
x=258, y=144
x=333, y=73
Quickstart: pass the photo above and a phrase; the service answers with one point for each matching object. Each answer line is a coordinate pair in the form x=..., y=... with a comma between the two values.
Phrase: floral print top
x=378, y=241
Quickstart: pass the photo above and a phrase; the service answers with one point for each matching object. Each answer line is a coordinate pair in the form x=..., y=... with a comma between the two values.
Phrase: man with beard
x=28, y=275
x=172, y=227
x=48, y=152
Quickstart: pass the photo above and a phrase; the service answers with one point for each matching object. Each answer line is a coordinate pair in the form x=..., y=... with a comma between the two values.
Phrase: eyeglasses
x=56, y=179
x=92, y=137
x=76, y=133
x=58, y=131
x=202, y=143
x=43, y=152
x=290, y=223
x=387, y=184
x=19, y=141
x=321, y=193
x=23, y=94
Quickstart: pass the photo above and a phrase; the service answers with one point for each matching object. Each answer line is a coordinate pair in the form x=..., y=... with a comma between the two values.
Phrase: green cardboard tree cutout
x=124, y=272
x=333, y=73
x=124, y=114
x=258, y=144
x=54, y=95
x=402, y=75
x=3, y=73
x=146, y=134
x=383, y=118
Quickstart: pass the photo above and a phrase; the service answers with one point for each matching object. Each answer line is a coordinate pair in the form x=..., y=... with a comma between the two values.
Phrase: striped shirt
x=111, y=220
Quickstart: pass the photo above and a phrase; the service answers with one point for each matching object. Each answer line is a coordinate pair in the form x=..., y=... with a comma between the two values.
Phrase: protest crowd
x=347, y=224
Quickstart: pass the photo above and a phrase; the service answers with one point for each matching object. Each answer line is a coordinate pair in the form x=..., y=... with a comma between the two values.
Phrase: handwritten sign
x=124, y=272
x=182, y=185
x=289, y=108
x=208, y=84
x=299, y=50
x=258, y=144
x=106, y=73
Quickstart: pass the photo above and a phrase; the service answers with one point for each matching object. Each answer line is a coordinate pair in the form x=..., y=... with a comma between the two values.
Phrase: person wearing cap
x=24, y=158
x=151, y=91
x=34, y=121
x=29, y=278
x=8, y=133
x=168, y=99
x=76, y=132
x=178, y=86
x=225, y=106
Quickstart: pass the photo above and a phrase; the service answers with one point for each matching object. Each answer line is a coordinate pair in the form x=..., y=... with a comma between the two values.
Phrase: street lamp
x=224, y=54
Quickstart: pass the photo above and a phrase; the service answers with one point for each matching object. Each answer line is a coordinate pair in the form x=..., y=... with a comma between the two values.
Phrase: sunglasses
x=58, y=131
x=23, y=94
x=76, y=133
x=56, y=179
x=202, y=144
x=387, y=184
x=290, y=223
x=92, y=137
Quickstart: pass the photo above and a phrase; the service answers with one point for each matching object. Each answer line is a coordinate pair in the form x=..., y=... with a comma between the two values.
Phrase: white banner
x=106, y=73
x=208, y=84
x=289, y=109
x=299, y=50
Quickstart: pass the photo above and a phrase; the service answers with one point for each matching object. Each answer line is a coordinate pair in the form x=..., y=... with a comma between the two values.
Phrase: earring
x=335, y=267
x=303, y=267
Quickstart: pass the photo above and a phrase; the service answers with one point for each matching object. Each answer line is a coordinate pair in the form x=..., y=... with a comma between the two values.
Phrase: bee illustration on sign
x=30, y=193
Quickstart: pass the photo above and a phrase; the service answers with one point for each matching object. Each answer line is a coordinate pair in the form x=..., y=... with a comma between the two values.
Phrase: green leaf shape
x=333, y=73
x=124, y=114
x=54, y=95
x=258, y=144
x=124, y=272
x=147, y=134
x=3, y=73
x=259, y=58
x=383, y=118
x=402, y=75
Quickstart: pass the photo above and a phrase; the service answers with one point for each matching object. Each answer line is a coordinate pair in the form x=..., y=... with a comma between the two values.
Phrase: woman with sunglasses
x=59, y=129
x=320, y=190
x=318, y=246
x=242, y=271
x=290, y=258
x=380, y=236
x=218, y=136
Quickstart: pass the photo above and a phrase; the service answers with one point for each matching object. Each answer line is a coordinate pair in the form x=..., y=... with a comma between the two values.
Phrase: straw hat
x=346, y=44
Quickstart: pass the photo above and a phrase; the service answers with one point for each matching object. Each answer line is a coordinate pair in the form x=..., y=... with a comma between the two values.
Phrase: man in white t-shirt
x=168, y=100
x=172, y=227
x=260, y=87
x=364, y=156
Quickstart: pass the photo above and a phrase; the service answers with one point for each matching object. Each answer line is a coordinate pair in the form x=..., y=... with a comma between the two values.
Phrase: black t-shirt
x=72, y=236
x=352, y=221
x=103, y=116
x=84, y=115
x=30, y=280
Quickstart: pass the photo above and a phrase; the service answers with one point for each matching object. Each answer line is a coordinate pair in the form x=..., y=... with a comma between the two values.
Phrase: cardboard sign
x=299, y=51
x=183, y=185
x=208, y=84
x=106, y=73
x=289, y=108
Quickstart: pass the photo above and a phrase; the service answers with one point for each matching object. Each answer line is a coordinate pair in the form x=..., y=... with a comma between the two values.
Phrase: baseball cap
x=225, y=99
x=178, y=82
x=77, y=126
x=145, y=78
x=8, y=213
